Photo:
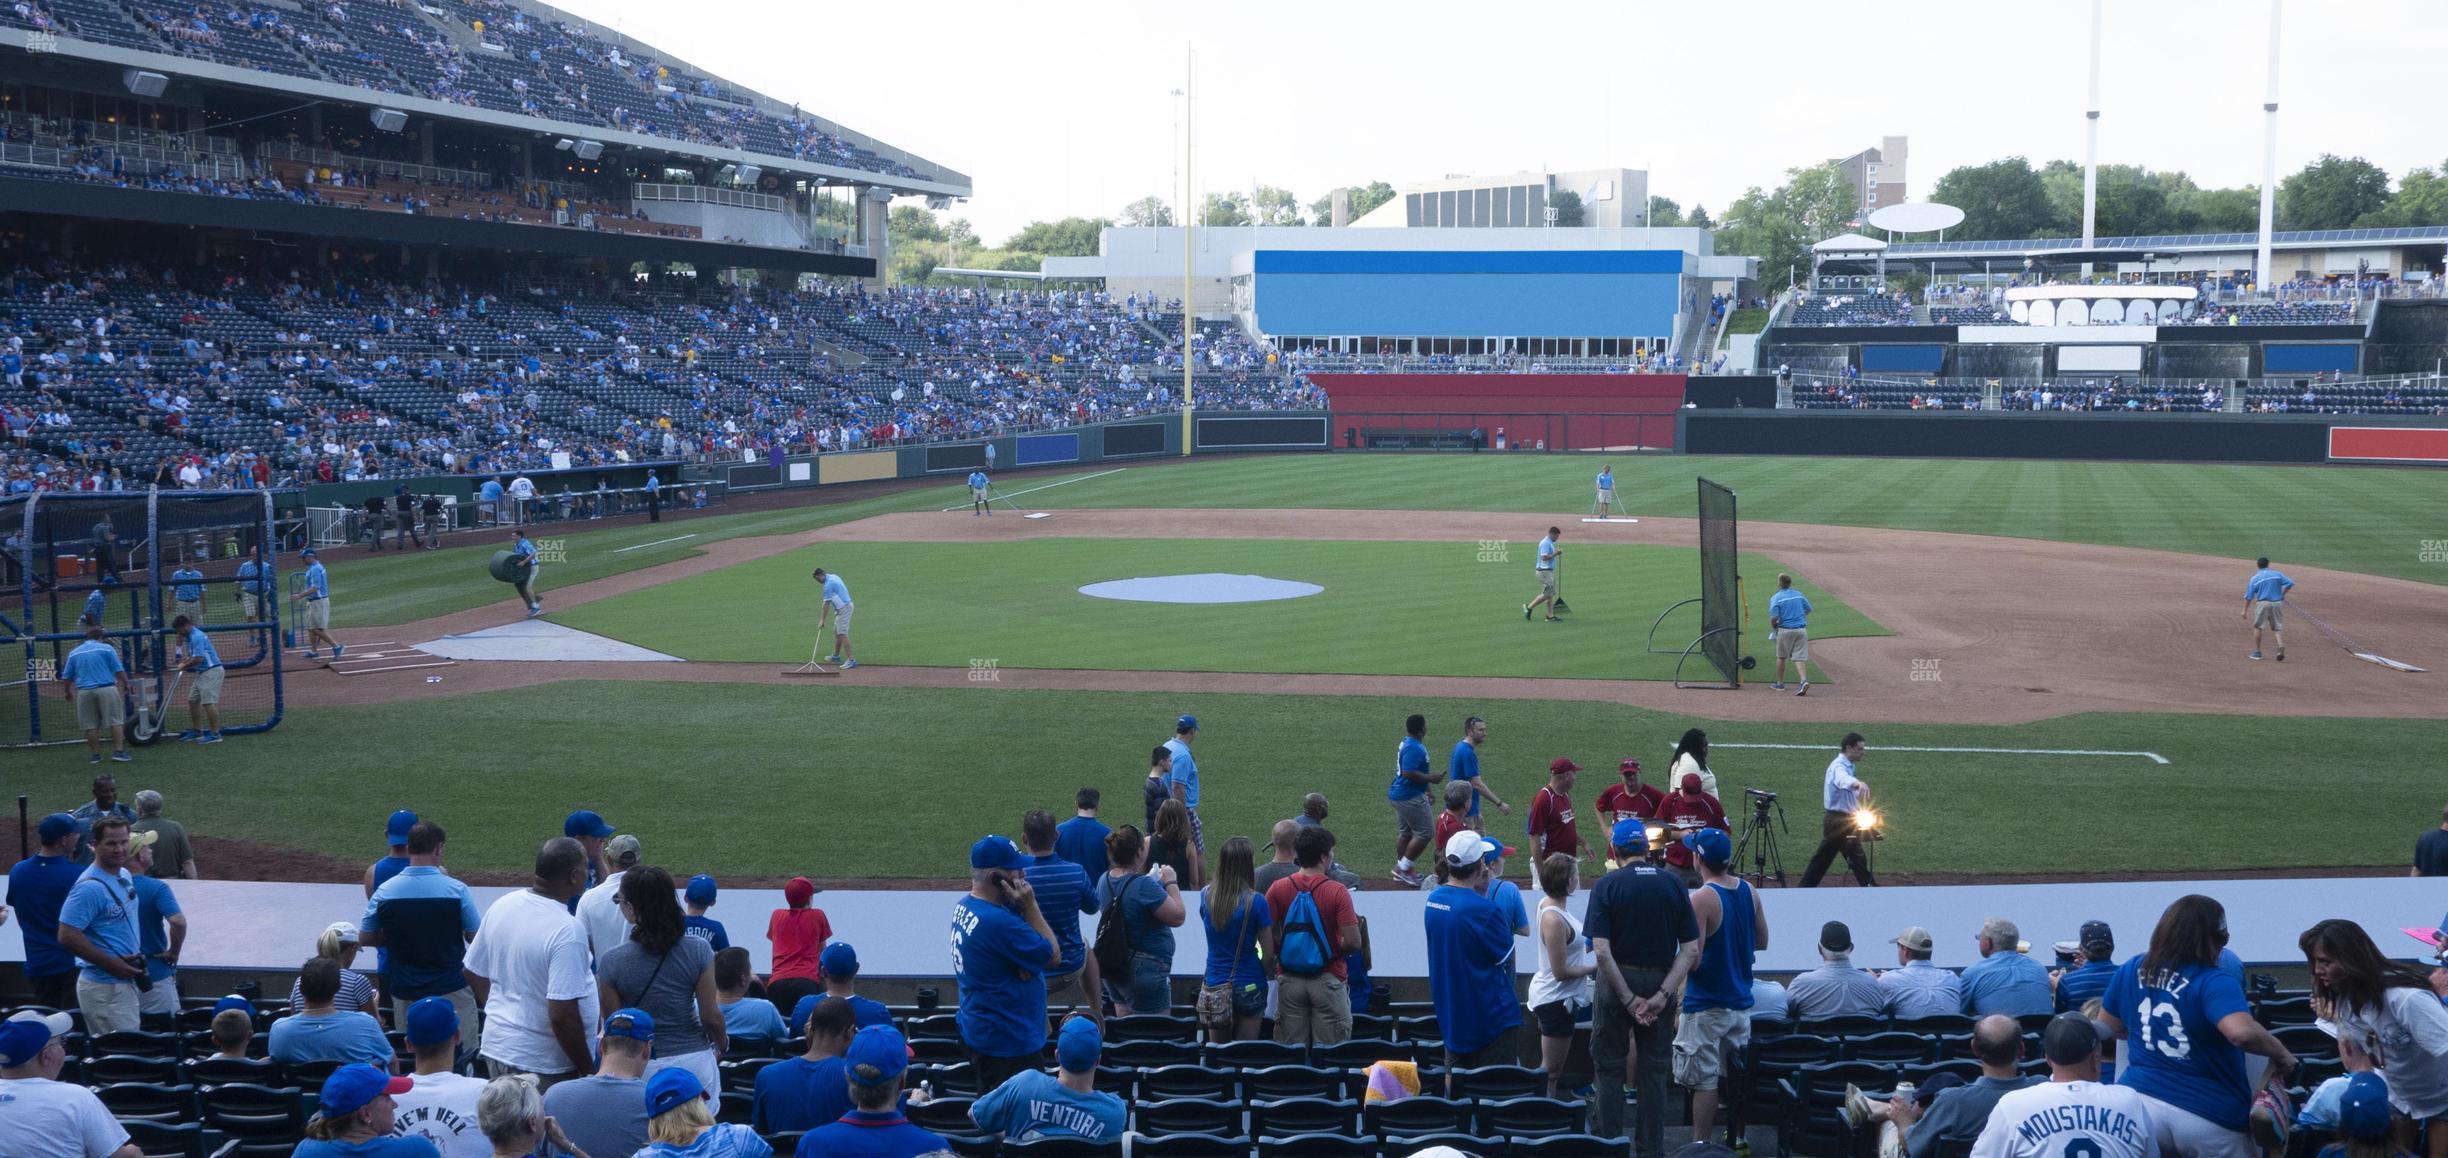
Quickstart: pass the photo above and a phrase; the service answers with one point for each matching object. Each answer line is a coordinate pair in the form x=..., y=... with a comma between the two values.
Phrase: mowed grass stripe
x=1388, y=608
x=837, y=780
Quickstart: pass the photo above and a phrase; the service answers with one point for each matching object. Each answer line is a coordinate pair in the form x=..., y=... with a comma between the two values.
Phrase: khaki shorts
x=1547, y=581
x=977, y=494
x=1704, y=1042
x=1412, y=816
x=99, y=708
x=841, y=619
x=314, y=613
x=207, y=686
x=252, y=605
x=193, y=610
x=2269, y=613
x=1793, y=643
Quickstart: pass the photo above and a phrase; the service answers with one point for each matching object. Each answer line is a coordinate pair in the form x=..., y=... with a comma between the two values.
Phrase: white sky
x=1063, y=108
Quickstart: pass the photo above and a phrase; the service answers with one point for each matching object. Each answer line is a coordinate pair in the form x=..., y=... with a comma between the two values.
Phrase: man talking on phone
x=1001, y=949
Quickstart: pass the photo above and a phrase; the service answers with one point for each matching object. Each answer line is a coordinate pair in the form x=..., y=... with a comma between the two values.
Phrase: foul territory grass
x=840, y=781
x=1387, y=608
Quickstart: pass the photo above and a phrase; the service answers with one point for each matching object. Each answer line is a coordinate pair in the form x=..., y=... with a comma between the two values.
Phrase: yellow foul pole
x=1189, y=195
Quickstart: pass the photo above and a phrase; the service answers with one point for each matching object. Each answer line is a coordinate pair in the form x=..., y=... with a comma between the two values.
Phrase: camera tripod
x=1759, y=841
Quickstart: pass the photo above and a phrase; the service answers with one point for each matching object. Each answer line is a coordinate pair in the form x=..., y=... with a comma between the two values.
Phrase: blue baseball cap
x=352, y=1087
x=23, y=1036
x=396, y=831
x=877, y=1055
x=996, y=852
x=701, y=890
x=2364, y=1110
x=432, y=1021
x=1078, y=1046
x=1186, y=724
x=58, y=825
x=634, y=1024
x=670, y=1088
x=233, y=1001
x=838, y=960
x=1711, y=845
x=1630, y=832
x=308, y=553
x=585, y=823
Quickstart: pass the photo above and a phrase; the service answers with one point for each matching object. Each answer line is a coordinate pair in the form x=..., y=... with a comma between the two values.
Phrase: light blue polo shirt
x=1789, y=608
x=1606, y=480
x=524, y=547
x=1546, y=555
x=103, y=907
x=94, y=664
x=96, y=603
x=190, y=585
x=199, y=646
x=255, y=578
x=1184, y=772
x=836, y=592
x=318, y=583
x=2268, y=585
x=977, y=480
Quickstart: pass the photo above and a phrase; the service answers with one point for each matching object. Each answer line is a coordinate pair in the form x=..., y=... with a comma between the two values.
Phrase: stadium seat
x=1298, y=1082
x=309, y=1075
x=1152, y=1054
x=221, y=1071
x=1188, y=1116
x=1189, y=1146
x=1060, y=1148
x=1536, y=1117
x=945, y=1116
x=116, y=1069
x=1420, y=1115
x=1404, y=1145
x=941, y=1025
x=937, y=1050
x=1937, y=1025
x=133, y=1043
x=1120, y=1081
x=1896, y=1048
x=1372, y=1025
x=1284, y=1117
x=785, y=1143
x=972, y=1144
x=261, y=1120
x=742, y=1074
x=1316, y=1146
x=1919, y=1075
x=2305, y=1039
x=1568, y=1146
x=1421, y=1026
x=1492, y=1082
x=736, y=1107
x=1149, y=1027
x=958, y=1080
x=168, y=1140
x=1841, y=1026
x=1255, y=1054
x=1187, y=1081
x=155, y=1103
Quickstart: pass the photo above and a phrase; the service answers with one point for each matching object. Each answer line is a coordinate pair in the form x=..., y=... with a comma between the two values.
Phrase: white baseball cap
x=1466, y=848
x=346, y=931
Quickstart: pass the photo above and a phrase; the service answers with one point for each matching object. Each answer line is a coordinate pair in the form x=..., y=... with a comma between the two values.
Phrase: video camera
x=1760, y=794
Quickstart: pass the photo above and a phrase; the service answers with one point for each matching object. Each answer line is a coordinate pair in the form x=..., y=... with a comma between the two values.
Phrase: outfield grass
x=1404, y=608
x=845, y=781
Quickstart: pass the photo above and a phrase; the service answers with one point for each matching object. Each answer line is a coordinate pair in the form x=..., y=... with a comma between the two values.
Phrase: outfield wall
x=1544, y=411
x=1150, y=436
x=2273, y=438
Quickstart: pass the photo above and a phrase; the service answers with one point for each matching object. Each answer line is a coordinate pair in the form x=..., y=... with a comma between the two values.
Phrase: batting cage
x=132, y=562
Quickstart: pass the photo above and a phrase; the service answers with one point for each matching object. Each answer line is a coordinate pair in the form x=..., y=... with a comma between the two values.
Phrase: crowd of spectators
x=123, y=374
x=609, y=1021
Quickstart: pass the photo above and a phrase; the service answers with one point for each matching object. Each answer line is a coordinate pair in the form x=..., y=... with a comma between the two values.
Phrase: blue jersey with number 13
x=2173, y=1048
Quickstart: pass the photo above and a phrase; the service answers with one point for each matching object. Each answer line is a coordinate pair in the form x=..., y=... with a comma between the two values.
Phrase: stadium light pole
x=1189, y=190
x=2263, y=279
x=2091, y=117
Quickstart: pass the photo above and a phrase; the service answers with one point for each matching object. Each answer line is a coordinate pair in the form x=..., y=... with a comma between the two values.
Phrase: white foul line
x=1046, y=487
x=656, y=543
x=2153, y=757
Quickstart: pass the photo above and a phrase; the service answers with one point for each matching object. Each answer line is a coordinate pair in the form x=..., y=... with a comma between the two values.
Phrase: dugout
x=139, y=551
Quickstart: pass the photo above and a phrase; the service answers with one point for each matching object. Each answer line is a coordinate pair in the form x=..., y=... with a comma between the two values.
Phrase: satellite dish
x=1917, y=217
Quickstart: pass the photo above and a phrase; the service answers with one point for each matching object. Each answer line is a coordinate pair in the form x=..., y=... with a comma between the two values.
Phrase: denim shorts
x=1151, y=986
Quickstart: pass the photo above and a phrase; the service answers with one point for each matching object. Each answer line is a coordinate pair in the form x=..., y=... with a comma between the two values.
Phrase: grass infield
x=1388, y=608
x=842, y=781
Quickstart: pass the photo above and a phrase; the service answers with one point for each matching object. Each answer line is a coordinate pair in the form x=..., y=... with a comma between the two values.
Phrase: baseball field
x=2077, y=624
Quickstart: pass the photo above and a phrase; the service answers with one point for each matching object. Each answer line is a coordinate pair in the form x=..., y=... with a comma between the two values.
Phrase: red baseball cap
x=798, y=890
x=1561, y=764
x=1629, y=766
x=1691, y=782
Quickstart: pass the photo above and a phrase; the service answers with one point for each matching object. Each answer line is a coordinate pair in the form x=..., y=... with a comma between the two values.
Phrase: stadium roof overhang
x=73, y=50
x=197, y=211
x=2059, y=252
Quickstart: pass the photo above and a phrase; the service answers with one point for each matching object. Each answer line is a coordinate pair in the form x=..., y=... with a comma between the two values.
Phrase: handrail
x=285, y=151
x=709, y=194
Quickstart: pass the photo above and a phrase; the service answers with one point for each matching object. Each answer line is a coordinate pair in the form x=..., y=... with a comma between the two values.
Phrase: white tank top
x=1544, y=988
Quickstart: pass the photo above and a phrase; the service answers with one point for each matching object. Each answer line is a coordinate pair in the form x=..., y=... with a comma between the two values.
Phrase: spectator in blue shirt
x=1182, y=778
x=1463, y=765
x=838, y=967
x=1918, y=988
x=2265, y=605
x=1035, y=1104
x=96, y=682
x=2093, y=970
x=745, y=1018
x=98, y=924
x=1789, y=616
x=813, y=1089
x=1001, y=950
x=2005, y=980
x=320, y=1031
x=37, y=887
x=161, y=928
x=874, y=1127
x=1081, y=839
x=356, y=1116
x=977, y=494
x=1414, y=825
x=1470, y=960
x=105, y=802
x=425, y=919
x=699, y=897
x=1063, y=894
